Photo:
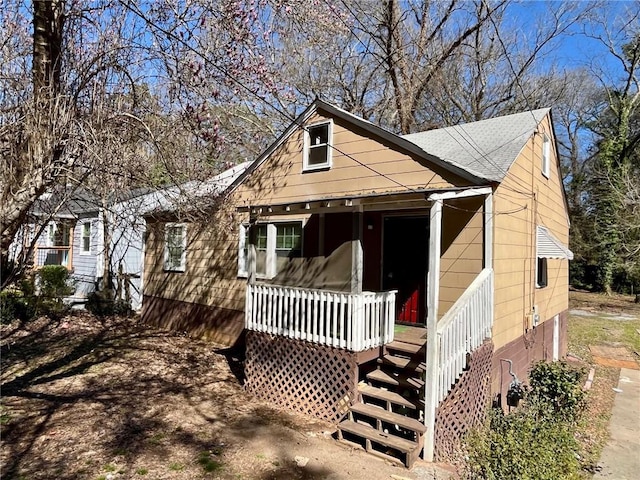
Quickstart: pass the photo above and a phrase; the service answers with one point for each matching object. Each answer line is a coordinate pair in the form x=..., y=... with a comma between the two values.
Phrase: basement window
x=317, y=146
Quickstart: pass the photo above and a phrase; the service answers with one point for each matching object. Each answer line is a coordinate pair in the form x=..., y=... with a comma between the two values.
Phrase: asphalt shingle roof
x=486, y=148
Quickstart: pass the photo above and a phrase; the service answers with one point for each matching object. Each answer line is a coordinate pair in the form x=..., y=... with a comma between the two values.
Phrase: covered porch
x=341, y=279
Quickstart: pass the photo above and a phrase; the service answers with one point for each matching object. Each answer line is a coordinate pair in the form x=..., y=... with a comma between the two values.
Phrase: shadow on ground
x=83, y=398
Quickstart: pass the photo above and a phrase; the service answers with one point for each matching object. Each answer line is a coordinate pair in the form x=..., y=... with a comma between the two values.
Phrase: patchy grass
x=604, y=326
x=176, y=466
x=208, y=463
x=610, y=323
x=597, y=302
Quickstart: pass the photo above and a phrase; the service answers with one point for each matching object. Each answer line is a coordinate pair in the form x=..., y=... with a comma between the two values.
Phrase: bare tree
x=36, y=131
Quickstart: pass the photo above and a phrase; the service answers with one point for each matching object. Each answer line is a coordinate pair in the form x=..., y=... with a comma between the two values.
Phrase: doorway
x=405, y=256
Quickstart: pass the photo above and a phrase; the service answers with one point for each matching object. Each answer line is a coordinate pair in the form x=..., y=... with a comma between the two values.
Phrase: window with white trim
x=317, y=146
x=175, y=247
x=546, y=155
x=85, y=239
x=275, y=244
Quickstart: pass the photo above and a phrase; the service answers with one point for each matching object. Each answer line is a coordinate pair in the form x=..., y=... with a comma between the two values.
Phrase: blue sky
x=577, y=49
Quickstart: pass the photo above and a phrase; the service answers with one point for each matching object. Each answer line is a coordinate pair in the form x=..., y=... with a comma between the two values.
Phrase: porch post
x=433, y=294
x=488, y=231
x=250, y=291
x=356, y=251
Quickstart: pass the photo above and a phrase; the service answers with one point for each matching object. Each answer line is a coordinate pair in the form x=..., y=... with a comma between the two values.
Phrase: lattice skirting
x=466, y=405
x=312, y=379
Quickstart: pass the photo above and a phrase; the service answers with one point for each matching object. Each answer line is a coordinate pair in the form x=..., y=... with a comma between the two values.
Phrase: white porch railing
x=352, y=321
x=463, y=329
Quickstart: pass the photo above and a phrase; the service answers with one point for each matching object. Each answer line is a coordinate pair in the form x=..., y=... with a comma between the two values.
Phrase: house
x=76, y=225
x=64, y=228
x=379, y=279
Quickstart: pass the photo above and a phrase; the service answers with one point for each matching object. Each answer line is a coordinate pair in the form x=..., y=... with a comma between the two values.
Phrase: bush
x=101, y=303
x=538, y=440
x=15, y=305
x=55, y=284
x=555, y=389
x=523, y=447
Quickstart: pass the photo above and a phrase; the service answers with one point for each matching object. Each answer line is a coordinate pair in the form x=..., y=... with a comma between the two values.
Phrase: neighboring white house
x=74, y=235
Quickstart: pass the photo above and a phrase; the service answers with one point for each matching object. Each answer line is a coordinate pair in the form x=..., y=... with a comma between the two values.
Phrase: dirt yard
x=90, y=399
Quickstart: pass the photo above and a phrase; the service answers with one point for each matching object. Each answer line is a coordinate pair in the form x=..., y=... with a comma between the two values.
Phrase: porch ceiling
x=375, y=201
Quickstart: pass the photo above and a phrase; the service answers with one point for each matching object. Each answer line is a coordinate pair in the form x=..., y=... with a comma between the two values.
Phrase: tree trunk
x=39, y=145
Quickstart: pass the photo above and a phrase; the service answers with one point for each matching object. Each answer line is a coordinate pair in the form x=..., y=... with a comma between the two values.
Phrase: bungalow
x=381, y=280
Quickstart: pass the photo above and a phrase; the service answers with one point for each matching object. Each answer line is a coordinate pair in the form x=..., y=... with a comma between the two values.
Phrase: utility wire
x=294, y=120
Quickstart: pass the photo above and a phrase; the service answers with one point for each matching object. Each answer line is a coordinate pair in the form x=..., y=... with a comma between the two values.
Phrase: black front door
x=404, y=265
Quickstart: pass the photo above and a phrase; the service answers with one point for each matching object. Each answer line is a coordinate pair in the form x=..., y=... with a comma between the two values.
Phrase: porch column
x=356, y=251
x=249, y=315
x=433, y=295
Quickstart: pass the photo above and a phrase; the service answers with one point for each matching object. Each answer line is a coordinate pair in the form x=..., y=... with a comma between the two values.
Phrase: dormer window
x=317, y=146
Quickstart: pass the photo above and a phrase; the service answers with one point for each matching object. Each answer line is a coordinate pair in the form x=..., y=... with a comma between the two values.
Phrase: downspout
x=433, y=295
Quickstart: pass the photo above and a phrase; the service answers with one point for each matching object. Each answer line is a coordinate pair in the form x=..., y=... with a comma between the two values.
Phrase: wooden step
x=370, y=434
x=386, y=396
x=404, y=347
x=404, y=363
x=401, y=421
x=395, y=381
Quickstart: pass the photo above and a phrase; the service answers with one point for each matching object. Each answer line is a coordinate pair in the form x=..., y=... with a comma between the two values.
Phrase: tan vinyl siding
x=518, y=211
x=210, y=277
x=462, y=250
x=280, y=178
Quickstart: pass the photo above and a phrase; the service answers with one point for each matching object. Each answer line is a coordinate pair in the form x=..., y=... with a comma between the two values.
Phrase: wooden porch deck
x=410, y=334
x=402, y=333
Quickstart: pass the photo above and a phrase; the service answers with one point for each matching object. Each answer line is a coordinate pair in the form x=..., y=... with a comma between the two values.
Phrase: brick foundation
x=535, y=345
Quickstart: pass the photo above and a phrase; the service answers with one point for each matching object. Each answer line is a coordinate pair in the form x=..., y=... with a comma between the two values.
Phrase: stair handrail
x=463, y=329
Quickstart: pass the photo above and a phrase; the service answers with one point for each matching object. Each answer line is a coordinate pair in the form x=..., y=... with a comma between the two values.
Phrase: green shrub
x=537, y=441
x=14, y=305
x=520, y=446
x=555, y=388
x=55, y=284
x=101, y=303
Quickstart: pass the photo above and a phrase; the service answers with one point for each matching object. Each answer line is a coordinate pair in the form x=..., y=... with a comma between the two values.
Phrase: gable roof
x=479, y=151
x=189, y=194
x=486, y=148
x=391, y=137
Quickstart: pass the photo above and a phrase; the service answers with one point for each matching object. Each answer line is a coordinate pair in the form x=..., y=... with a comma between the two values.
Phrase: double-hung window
x=288, y=243
x=275, y=244
x=317, y=146
x=85, y=239
x=175, y=247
